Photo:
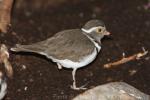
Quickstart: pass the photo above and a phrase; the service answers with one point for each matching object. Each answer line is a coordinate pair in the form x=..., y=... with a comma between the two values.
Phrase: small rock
x=147, y=58
x=132, y=72
x=24, y=67
x=18, y=90
x=25, y=88
x=31, y=80
x=81, y=14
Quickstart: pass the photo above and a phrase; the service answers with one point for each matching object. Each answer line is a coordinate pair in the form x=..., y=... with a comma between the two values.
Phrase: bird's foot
x=74, y=87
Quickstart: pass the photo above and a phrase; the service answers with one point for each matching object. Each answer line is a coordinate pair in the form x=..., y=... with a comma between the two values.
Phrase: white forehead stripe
x=89, y=30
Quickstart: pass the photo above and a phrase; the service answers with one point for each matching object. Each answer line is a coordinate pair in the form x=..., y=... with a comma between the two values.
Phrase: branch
x=5, y=14
x=127, y=59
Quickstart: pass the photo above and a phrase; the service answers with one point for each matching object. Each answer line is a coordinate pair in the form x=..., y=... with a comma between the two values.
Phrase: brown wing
x=68, y=44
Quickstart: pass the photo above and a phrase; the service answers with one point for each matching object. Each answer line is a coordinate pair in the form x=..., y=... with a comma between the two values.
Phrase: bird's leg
x=59, y=66
x=74, y=81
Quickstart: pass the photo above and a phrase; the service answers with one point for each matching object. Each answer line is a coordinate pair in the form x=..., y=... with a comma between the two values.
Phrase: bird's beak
x=107, y=33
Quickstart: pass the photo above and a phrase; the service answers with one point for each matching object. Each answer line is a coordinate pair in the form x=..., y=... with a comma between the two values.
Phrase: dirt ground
x=37, y=78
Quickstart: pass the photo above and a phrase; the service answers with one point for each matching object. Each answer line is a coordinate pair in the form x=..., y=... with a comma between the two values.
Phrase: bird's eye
x=99, y=30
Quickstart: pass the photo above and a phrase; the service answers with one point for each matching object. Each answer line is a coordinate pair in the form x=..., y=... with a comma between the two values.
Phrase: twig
x=127, y=59
x=5, y=14
x=4, y=56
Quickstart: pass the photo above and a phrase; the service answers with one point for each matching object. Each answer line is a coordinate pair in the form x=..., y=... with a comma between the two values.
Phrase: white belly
x=71, y=64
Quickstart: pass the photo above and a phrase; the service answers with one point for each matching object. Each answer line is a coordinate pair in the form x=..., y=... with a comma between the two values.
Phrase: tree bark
x=5, y=15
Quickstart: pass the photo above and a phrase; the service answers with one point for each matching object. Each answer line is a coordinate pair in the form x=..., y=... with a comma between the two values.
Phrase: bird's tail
x=26, y=48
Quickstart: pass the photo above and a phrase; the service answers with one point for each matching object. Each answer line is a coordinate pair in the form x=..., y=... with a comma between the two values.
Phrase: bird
x=72, y=48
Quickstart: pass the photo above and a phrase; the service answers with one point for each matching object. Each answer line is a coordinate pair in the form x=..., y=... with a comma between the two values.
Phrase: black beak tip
x=109, y=36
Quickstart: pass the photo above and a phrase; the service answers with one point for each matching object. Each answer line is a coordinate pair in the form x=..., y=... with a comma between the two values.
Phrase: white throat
x=89, y=31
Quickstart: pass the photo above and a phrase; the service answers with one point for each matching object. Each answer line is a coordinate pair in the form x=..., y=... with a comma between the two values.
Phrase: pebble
x=24, y=67
x=25, y=88
x=132, y=72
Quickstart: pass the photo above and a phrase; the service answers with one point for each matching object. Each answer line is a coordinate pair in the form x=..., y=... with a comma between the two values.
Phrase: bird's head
x=95, y=29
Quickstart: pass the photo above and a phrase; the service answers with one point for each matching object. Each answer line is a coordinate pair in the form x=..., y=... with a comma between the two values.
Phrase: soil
x=37, y=78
